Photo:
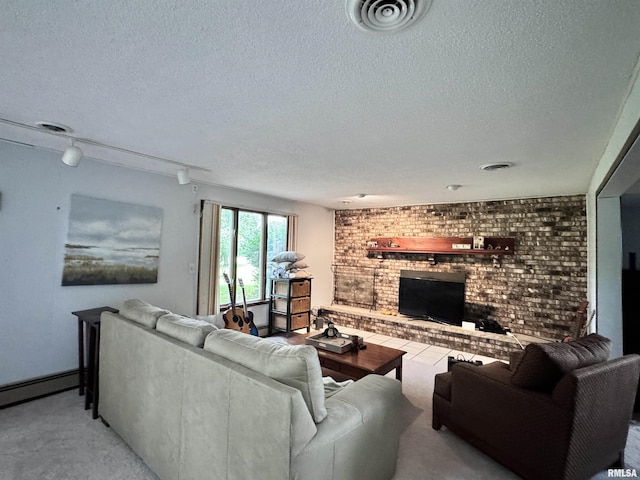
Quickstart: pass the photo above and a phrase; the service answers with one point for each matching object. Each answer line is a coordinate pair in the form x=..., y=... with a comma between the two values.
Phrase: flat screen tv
x=434, y=296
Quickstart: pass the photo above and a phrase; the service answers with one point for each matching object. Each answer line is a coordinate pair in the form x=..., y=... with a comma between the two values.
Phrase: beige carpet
x=55, y=438
x=429, y=454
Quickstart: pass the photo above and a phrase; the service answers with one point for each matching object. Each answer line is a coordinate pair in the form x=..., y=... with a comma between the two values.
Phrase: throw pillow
x=544, y=364
x=297, y=274
x=297, y=366
x=216, y=320
x=288, y=256
x=331, y=386
x=142, y=312
x=296, y=266
x=186, y=329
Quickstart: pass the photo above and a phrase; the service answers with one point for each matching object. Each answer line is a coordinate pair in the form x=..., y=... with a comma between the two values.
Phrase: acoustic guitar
x=248, y=314
x=234, y=317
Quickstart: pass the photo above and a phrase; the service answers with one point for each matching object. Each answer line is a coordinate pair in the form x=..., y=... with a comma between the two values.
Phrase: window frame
x=233, y=252
x=209, y=281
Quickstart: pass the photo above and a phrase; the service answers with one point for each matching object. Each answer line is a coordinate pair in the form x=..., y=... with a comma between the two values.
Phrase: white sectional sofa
x=195, y=402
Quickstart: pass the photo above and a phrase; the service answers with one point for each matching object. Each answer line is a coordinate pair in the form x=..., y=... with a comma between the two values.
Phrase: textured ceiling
x=291, y=99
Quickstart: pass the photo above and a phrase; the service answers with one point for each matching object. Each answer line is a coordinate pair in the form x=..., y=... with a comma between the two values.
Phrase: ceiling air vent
x=490, y=167
x=386, y=15
x=54, y=127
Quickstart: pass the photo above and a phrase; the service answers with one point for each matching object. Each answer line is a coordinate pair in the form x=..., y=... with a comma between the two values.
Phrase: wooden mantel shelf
x=443, y=245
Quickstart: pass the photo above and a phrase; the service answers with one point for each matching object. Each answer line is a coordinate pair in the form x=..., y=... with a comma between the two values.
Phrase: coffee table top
x=370, y=359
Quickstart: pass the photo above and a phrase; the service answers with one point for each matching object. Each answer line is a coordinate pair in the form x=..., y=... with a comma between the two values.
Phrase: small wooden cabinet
x=290, y=304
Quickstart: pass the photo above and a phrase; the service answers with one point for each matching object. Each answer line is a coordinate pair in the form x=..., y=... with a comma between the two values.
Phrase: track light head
x=184, y=178
x=72, y=156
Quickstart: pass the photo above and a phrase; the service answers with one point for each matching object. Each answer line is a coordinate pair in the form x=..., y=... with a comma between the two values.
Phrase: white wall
x=315, y=240
x=38, y=334
x=609, y=267
x=598, y=288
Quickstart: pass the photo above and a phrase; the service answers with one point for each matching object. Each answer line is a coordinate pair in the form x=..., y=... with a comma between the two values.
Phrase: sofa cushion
x=186, y=329
x=142, y=312
x=294, y=365
x=543, y=364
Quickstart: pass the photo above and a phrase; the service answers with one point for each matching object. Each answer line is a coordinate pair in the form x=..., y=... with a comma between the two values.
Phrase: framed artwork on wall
x=111, y=242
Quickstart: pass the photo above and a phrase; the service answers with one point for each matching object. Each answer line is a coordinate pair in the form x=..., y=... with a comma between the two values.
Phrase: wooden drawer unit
x=295, y=305
x=298, y=320
x=298, y=288
x=290, y=304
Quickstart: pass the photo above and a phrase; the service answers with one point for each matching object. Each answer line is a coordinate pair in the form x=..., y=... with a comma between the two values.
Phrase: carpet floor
x=55, y=438
x=429, y=454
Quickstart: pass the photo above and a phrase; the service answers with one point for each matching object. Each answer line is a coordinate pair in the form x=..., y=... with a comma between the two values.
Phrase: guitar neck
x=244, y=296
x=248, y=316
x=232, y=298
x=244, y=301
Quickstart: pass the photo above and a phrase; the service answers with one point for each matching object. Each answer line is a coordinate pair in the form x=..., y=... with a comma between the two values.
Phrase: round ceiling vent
x=490, y=167
x=386, y=15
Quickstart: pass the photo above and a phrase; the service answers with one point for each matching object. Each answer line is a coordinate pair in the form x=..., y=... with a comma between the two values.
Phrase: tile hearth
x=432, y=355
x=449, y=337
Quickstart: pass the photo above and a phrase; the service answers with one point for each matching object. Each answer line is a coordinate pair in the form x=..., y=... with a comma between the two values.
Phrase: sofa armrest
x=359, y=437
x=371, y=395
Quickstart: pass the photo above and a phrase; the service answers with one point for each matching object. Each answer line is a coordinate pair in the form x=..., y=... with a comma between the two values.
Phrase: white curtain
x=207, y=273
x=292, y=233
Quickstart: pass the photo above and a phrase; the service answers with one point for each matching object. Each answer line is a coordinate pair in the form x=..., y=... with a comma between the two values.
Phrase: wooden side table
x=89, y=341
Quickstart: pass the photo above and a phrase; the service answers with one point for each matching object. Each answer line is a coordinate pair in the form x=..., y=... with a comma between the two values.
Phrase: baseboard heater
x=19, y=392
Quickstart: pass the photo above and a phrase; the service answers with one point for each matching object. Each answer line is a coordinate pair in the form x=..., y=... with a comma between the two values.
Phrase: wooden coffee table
x=354, y=364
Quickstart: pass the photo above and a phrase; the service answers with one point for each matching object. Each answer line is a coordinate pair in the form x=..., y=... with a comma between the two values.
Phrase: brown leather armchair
x=562, y=411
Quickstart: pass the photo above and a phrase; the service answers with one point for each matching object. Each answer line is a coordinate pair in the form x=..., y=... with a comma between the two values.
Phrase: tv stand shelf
x=443, y=245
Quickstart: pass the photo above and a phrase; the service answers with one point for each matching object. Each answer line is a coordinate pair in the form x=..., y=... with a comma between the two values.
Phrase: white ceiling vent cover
x=386, y=15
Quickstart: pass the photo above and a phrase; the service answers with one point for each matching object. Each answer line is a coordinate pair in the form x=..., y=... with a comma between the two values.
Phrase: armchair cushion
x=543, y=364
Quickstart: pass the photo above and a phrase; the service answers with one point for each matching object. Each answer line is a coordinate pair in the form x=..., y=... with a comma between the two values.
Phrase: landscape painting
x=111, y=242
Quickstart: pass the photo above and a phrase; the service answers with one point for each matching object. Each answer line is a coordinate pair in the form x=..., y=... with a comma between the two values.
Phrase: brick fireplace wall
x=533, y=292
